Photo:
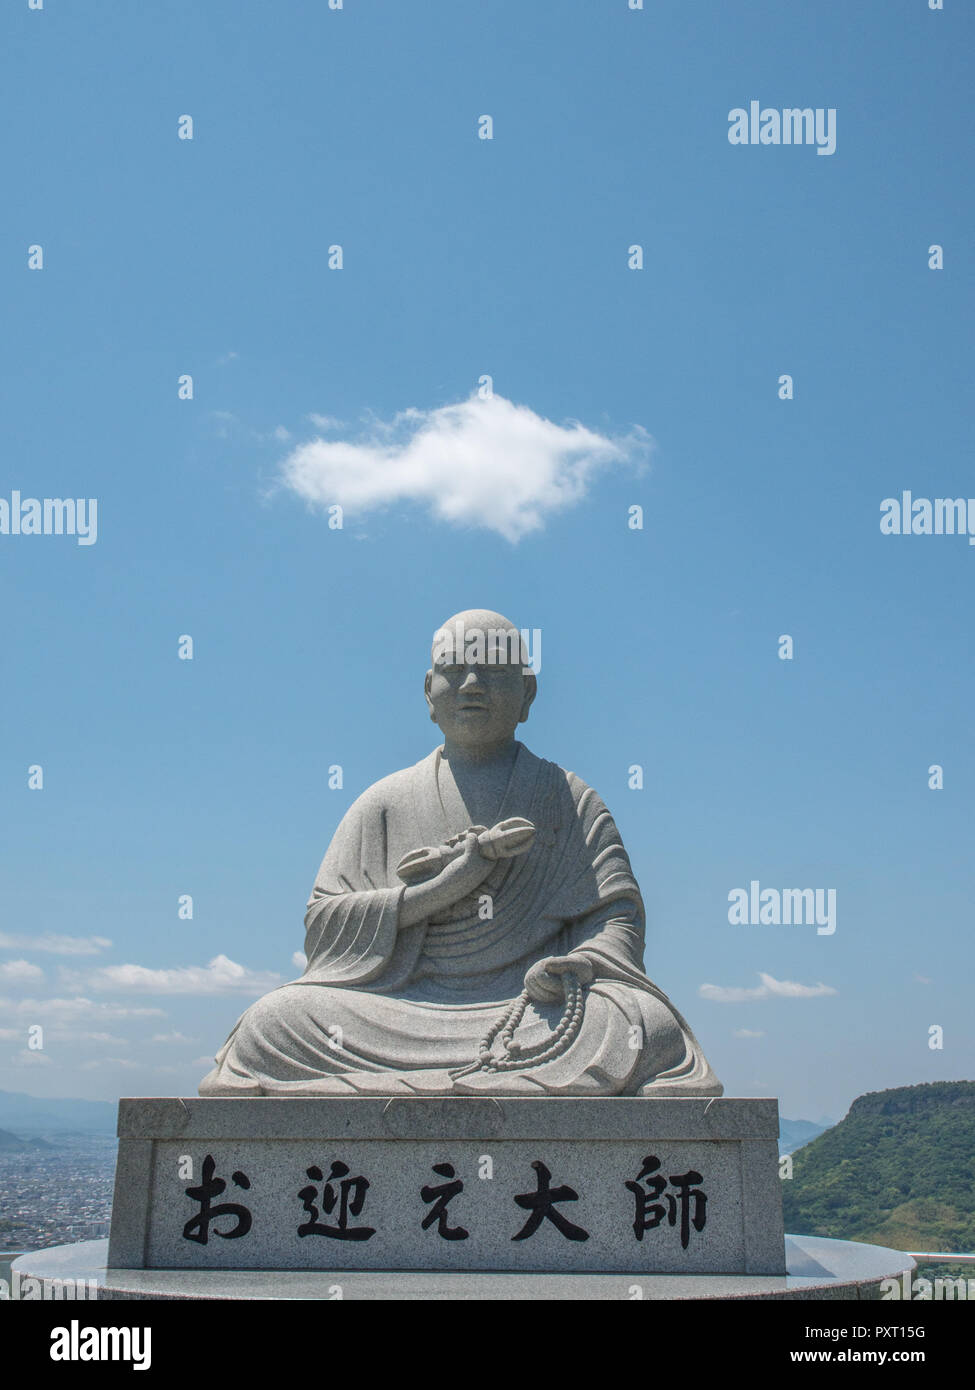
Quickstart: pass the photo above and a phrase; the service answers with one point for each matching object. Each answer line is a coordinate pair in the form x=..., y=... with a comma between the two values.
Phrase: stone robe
x=387, y=1011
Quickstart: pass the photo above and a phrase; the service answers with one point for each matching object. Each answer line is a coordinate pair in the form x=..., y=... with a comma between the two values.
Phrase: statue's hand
x=502, y=841
x=543, y=982
x=507, y=838
x=459, y=878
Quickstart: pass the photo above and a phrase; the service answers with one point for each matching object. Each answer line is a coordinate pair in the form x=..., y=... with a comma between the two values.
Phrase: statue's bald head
x=480, y=636
x=480, y=685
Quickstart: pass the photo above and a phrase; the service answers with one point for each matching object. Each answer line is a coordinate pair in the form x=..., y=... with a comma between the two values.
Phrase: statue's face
x=478, y=704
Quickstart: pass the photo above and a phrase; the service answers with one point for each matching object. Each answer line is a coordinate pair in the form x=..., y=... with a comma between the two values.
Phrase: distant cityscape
x=55, y=1191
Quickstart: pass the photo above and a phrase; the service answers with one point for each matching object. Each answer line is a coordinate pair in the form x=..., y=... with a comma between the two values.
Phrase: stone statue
x=475, y=927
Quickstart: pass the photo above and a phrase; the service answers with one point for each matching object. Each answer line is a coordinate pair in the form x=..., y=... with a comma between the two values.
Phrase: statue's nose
x=472, y=680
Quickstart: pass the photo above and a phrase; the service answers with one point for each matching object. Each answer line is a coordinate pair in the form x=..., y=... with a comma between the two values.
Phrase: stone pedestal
x=608, y=1185
x=816, y=1269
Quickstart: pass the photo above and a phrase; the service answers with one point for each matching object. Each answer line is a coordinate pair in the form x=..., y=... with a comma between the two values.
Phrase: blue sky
x=507, y=257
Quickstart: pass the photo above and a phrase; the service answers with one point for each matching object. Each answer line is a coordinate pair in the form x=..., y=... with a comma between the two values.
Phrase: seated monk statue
x=475, y=927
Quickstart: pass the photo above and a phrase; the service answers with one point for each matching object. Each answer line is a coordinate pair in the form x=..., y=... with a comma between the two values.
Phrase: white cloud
x=173, y=1037
x=326, y=422
x=28, y=1057
x=97, y=1063
x=229, y=426
x=748, y=1033
x=226, y=423
x=299, y=960
x=72, y=1035
x=58, y=1035
x=484, y=463
x=19, y=972
x=65, y=1011
x=770, y=988
x=54, y=944
x=220, y=976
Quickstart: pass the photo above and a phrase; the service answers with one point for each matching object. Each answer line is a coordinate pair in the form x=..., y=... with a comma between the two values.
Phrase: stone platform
x=816, y=1269
x=621, y=1186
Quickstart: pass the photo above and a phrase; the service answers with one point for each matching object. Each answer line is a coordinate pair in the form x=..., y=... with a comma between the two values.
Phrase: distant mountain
x=794, y=1133
x=10, y=1143
x=33, y=1115
x=899, y=1170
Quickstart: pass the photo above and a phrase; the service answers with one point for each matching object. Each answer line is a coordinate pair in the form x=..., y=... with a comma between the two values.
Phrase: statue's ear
x=426, y=695
x=531, y=690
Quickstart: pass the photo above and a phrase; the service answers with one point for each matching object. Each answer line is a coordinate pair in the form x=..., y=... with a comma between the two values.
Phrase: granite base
x=458, y=1184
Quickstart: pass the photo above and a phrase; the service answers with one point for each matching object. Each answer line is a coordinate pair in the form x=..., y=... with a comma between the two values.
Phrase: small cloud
x=482, y=463
x=172, y=1037
x=229, y=426
x=923, y=979
x=326, y=422
x=54, y=944
x=748, y=1033
x=29, y=1057
x=299, y=960
x=770, y=988
x=225, y=423
x=20, y=972
x=227, y=358
x=67, y=1011
x=220, y=976
x=74, y=1035
x=97, y=1064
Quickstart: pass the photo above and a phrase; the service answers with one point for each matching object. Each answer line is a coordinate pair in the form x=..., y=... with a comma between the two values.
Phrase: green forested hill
x=899, y=1170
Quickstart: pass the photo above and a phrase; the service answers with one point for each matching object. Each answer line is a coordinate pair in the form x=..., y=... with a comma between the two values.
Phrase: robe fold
x=386, y=1010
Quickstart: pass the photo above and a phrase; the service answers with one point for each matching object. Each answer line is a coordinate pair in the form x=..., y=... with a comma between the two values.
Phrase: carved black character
x=198, y=1227
x=440, y=1196
x=541, y=1204
x=650, y=1212
x=350, y=1199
